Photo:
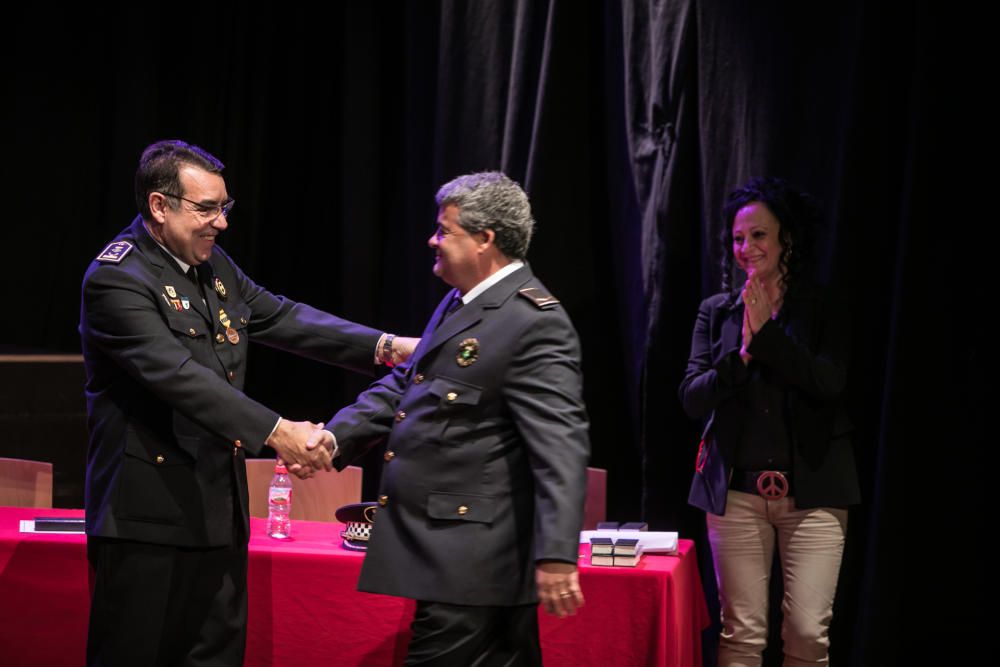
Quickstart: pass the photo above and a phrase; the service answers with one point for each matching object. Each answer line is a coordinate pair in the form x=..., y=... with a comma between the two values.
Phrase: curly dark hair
x=798, y=217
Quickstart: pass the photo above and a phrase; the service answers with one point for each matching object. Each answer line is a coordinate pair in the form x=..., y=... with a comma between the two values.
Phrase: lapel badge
x=224, y=318
x=186, y=302
x=468, y=352
x=115, y=252
x=176, y=303
x=171, y=292
x=220, y=289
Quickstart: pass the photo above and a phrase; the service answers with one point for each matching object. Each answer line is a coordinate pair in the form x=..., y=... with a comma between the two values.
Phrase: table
x=304, y=609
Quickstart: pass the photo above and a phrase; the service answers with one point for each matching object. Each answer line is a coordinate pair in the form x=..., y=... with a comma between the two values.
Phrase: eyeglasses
x=440, y=232
x=207, y=212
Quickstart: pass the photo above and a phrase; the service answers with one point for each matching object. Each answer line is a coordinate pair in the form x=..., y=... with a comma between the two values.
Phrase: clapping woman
x=775, y=468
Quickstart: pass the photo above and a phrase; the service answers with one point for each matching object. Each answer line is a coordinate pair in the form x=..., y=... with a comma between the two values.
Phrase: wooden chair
x=596, y=506
x=25, y=483
x=314, y=499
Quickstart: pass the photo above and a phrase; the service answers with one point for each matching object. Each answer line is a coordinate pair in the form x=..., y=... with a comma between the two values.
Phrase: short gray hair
x=490, y=200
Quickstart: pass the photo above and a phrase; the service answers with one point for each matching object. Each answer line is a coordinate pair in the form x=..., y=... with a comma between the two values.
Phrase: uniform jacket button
x=160, y=459
x=383, y=500
x=462, y=510
x=418, y=378
x=400, y=416
x=219, y=338
x=389, y=455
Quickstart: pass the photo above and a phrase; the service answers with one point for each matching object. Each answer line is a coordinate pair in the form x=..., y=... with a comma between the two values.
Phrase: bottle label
x=280, y=496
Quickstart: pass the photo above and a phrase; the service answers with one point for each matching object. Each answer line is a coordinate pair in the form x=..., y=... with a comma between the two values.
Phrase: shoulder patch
x=539, y=298
x=115, y=252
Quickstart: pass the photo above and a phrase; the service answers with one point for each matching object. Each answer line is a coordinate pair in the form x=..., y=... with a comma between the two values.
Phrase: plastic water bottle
x=279, y=504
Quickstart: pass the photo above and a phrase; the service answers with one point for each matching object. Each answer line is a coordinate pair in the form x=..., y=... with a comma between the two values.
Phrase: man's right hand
x=289, y=441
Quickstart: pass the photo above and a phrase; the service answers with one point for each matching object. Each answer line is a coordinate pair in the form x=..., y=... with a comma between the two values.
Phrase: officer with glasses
x=165, y=322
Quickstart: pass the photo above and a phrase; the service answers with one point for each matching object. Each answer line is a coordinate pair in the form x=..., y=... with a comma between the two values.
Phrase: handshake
x=304, y=447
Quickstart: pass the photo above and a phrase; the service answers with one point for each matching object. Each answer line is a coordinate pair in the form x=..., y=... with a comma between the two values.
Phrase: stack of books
x=628, y=551
x=622, y=552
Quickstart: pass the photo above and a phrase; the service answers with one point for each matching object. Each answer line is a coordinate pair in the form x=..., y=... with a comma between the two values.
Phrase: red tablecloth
x=304, y=609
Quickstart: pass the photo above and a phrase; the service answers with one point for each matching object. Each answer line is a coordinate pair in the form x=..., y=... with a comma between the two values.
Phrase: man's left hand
x=558, y=587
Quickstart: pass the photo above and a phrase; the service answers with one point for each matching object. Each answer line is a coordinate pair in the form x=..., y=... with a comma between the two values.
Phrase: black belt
x=768, y=484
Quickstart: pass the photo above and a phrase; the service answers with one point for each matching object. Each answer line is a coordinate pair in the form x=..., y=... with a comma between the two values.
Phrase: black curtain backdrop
x=627, y=122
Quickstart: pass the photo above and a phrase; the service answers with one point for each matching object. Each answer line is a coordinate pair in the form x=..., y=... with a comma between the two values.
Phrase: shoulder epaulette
x=115, y=252
x=539, y=298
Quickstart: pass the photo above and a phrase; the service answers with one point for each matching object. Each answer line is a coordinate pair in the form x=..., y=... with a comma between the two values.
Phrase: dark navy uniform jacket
x=486, y=453
x=169, y=422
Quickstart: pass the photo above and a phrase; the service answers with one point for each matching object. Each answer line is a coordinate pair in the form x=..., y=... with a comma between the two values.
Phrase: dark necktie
x=453, y=307
x=192, y=274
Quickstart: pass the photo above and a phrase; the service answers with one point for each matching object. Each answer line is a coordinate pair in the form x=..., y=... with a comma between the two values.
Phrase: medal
x=171, y=292
x=231, y=333
x=186, y=302
x=468, y=352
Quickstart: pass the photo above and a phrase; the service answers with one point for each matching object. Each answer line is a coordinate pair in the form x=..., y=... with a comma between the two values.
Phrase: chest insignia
x=468, y=352
x=220, y=289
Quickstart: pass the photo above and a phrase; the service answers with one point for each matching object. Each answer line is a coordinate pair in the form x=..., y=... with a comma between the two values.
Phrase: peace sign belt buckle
x=772, y=485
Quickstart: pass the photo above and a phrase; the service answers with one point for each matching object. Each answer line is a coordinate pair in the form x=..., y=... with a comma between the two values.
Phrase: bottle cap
x=280, y=470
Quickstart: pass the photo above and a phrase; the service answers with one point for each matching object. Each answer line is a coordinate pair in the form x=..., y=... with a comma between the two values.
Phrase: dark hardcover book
x=59, y=524
x=602, y=546
x=627, y=561
x=626, y=546
x=607, y=525
x=634, y=525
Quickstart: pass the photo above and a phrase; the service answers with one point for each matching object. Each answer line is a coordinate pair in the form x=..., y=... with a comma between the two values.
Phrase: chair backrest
x=314, y=499
x=595, y=509
x=25, y=483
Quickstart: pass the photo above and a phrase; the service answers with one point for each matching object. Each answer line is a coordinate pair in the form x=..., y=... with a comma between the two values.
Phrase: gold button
x=219, y=338
x=383, y=500
x=451, y=396
x=238, y=443
x=400, y=416
x=191, y=332
x=232, y=375
x=418, y=378
x=389, y=455
x=160, y=459
x=243, y=321
x=462, y=510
